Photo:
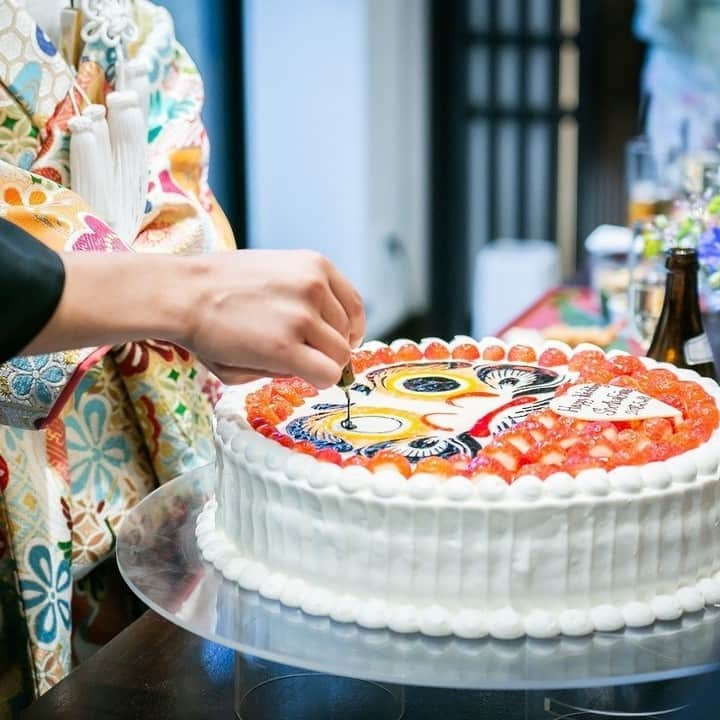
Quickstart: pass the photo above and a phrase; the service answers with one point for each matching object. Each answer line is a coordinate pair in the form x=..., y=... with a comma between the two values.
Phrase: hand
x=273, y=313
x=247, y=314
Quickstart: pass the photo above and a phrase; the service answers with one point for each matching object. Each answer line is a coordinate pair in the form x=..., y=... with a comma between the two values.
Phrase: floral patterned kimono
x=84, y=435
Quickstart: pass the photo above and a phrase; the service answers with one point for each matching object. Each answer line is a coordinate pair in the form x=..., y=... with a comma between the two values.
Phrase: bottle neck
x=681, y=284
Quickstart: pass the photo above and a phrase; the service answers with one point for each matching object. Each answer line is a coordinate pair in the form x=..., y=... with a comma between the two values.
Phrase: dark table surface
x=156, y=671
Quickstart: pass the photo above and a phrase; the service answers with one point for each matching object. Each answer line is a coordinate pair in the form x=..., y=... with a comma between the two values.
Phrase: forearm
x=114, y=298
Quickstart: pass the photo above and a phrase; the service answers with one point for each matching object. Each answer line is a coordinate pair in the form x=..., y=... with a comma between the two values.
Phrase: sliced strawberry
x=355, y=460
x=584, y=359
x=268, y=413
x=460, y=464
x=662, y=380
x=466, y=351
x=597, y=375
x=537, y=469
x=302, y=387
x=706, y=411
x=285, y=390
x=434, y=465
x=521, y=439
x=575, y=465
x=522, y=353
x=693, y=391
x=549, y=453
x=409, y=351
x=602, y=449
x=547, y=418
x=282, y=439
x=384, y=356
x=627, y=364
x=329, y=455
x=505, y=453
x=436, y=351
x=599, y=429
x=552, y=357
x=662, y=450
x=283, y=409
x=257, y=421
x=537, y=430
x=579, y=426
x=568, y=441
x=657, y=428
x=485, y=465
x=494, y=353
x=633, y=439
x=261, y=396
x=387, y=459
x=625, y=381
x=362, y=360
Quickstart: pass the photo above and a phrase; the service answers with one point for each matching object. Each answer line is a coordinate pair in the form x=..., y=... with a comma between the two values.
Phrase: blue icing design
x=328, y=406
x=44, y=42
x=297, y=431
x=26, y=85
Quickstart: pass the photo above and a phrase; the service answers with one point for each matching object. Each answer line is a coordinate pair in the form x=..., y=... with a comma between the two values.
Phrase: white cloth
x=46, y=14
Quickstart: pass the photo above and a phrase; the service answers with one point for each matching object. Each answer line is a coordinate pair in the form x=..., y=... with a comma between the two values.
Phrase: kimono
x=86, y=434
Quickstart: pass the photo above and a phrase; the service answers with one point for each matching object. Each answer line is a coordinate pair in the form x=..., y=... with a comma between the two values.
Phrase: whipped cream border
x=436, y=620
x=696, y=465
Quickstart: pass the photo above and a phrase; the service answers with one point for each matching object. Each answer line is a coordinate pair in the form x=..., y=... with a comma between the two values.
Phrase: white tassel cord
x=133, y=75
x=96, y=114
x=128, y=138
x=85, y=173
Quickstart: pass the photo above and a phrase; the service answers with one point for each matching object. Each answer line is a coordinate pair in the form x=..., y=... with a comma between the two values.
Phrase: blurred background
x=455, y=158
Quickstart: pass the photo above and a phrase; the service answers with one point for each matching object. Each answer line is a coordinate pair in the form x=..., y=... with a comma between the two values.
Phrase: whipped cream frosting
x=563, y=555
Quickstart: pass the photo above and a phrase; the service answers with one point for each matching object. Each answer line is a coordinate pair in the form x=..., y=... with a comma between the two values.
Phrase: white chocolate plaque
x=609, y=402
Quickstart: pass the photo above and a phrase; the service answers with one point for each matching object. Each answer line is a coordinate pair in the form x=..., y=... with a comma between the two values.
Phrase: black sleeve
x=31, y=282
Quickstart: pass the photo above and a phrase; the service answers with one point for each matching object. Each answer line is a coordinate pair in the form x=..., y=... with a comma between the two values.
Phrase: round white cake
x=479, y=489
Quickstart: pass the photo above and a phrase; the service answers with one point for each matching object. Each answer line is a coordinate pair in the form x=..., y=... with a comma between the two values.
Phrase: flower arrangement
x=696, y=225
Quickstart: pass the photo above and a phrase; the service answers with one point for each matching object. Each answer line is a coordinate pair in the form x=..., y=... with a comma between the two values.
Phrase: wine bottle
x=679, y=335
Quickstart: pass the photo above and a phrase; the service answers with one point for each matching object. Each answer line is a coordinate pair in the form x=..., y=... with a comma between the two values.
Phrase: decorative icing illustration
x=423, y=409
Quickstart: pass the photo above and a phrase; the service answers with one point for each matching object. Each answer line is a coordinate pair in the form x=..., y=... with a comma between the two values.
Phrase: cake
x=481, y=489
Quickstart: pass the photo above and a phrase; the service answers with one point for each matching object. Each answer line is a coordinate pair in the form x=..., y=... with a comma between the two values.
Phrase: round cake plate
x=159, y=559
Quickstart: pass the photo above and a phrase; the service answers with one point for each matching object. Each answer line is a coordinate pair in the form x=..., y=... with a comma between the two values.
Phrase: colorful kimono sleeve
x=31, y=283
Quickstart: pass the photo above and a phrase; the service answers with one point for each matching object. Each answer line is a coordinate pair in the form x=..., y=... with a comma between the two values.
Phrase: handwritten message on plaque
x=608, y=402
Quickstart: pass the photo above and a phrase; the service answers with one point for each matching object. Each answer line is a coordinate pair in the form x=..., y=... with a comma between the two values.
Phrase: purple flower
x=709, y=249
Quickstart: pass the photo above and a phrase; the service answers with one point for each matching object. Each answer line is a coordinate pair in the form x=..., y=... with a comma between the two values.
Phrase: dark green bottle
x=679, y=335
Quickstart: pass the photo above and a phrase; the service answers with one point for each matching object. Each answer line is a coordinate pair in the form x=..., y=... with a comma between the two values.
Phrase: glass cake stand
x=291, y=665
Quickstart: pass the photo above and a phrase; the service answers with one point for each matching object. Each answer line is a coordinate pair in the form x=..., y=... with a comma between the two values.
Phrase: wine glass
x=646, y=288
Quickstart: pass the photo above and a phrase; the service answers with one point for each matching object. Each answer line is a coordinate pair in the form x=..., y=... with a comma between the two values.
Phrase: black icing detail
x=359, y=387
x=418, y=448
x=519, y=379
x=431, y=384
x=468, y=442
x=328, y=406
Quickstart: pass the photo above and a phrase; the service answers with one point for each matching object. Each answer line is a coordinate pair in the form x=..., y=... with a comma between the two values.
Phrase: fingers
x=316, y=367
x=351, y=302
x=334, y=314
x=321, y=336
